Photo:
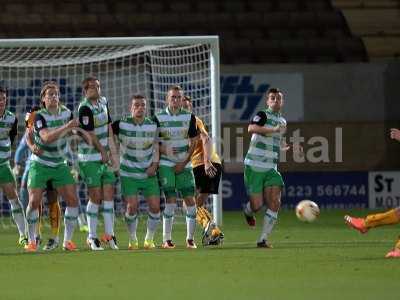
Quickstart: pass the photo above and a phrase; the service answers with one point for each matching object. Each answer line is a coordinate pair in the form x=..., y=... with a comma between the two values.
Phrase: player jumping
x=207, y=170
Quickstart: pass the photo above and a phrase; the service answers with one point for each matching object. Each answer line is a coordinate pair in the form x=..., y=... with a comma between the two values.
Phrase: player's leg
x=205, y=185
x=65, y=186
x=272, y=196
x=92, y=215
x=254, y=186
x=8, y=184
x=67, y=192
x=32, y=216
x=54, y=217
x=152, y=193
x=186, y=185
x=167, y=179
x=37, y=178
x=395, y=252
x=374, y=220
x=83, y=226
x=92, y=177
x=10, y=191
x=131, y=219
x=108, y=216
x=23, y=190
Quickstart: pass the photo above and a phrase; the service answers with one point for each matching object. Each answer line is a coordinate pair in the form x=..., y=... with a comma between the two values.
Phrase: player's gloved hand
x=395, y=134
x=209, y=169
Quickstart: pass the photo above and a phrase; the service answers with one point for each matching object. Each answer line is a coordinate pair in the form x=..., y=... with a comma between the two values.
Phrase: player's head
x=174, y=97
x=274, y=99
x=187, y=103
x=3, y=99
x=138, y=107
x=91, y=88
x=30, y=116
x=50, y=95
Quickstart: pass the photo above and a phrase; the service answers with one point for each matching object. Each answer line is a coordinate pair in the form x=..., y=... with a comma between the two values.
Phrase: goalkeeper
x=207, y=171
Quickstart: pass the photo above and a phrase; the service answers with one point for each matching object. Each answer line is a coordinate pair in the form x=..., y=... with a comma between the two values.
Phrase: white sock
x=152, y=222
x=190, y=221
x=18, y=216
x=32, y=218
x=168, y=220
x=248, y=211
x=269, y=222
x=108, y=215
x=70, y=219
x=131, y=222
x=92, y=211
x=81, y=220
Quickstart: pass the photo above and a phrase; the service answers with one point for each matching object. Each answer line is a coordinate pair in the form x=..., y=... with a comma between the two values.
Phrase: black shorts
x=49, y=186
x=205, y=184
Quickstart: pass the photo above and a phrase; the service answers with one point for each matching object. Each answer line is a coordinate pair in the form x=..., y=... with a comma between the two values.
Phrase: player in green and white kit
x=263, y=181
x=178, y=135
x=94, y=162
x=139, y=159
x=51, y=125
x=8, y=132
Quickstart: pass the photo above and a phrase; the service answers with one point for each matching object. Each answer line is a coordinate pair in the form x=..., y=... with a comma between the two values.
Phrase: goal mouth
x=124, y=66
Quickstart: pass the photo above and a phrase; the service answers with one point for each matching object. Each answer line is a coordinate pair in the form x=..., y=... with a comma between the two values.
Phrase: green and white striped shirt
x=263, y=153
x=175, y=131
x=93, y=118
x=8, y=124
x=54, y=153
x=137, y=146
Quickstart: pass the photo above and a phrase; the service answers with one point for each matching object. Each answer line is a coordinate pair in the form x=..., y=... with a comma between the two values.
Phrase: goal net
x=124, y=66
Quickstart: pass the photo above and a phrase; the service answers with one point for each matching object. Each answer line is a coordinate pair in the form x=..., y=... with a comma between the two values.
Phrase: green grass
x=322, y=260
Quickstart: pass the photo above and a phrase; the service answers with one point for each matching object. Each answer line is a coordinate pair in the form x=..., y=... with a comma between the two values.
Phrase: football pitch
x=321, y=260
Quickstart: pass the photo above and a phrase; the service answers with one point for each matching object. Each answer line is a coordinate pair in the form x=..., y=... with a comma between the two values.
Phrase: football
x=307, y=211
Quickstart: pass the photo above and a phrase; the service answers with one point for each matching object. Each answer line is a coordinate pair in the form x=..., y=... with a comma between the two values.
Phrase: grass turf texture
x=322, y=260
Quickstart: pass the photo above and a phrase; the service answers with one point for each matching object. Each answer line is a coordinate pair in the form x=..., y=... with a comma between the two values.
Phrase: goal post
x=125, y=66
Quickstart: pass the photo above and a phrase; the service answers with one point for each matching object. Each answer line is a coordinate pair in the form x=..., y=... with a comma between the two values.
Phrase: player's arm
x=14, y=131
x=193, y=134
x=86, y=122
x=111, y=142
x=257, y=125
x=50, y=136
x=30, y=142
x=21, y=151
x=206, y=141
x=116, y=143
x=152, y=170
